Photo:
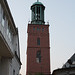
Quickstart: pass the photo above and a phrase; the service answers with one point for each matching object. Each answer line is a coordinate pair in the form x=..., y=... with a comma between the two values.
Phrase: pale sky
x=61, y=16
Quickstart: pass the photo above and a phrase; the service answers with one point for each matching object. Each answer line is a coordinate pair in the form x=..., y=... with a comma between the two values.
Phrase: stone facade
x=9, y=42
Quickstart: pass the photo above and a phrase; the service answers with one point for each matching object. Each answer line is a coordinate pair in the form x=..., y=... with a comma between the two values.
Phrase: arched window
x=38, y=13
x=33, y=11
x=38, y=41
x=38, y=56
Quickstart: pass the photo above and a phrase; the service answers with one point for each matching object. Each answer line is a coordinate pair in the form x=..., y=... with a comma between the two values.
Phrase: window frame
x=38, y=41
x=13, y=72
x=38, y=56
x=3, y=19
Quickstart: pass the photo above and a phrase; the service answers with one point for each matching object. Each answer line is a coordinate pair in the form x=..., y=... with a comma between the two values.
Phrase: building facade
x=67, y=69
x=38, y=46
x=64, y=71
x=10, y=63
x=70, y=62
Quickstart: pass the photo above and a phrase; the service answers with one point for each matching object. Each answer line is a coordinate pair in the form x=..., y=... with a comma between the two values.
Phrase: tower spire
x=37, y=0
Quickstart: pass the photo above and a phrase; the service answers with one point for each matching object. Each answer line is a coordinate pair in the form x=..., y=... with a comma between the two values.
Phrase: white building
x=9, y=42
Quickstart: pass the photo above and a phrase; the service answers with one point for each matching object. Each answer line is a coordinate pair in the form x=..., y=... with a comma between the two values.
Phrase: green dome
x=39, y=3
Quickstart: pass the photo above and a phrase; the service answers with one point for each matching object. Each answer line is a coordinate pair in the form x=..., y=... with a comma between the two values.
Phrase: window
x=9, y=33
x=34, y=12
x=42, y=29
x=3, y=20
x=38, y=41
x=13, y=72
x=38, y=57
x=46, y=29
x=38, y=13
x=38, y=29
x=34, y=28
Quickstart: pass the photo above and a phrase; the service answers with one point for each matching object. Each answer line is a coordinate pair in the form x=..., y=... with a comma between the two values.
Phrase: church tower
x=38, y=46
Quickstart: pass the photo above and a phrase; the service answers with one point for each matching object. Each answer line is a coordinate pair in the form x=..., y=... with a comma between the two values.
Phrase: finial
x=37, y=0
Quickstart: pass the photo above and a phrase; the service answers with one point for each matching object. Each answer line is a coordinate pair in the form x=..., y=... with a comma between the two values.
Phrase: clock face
x=67, y=65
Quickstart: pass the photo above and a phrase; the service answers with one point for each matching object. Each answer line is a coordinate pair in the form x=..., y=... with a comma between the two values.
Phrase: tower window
x=38, y=10
x=38, y=57
x=38, y=13
x=42, y=29
x=34, y=12
x=38, y=41
x=34, y=28
x=38, y=29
